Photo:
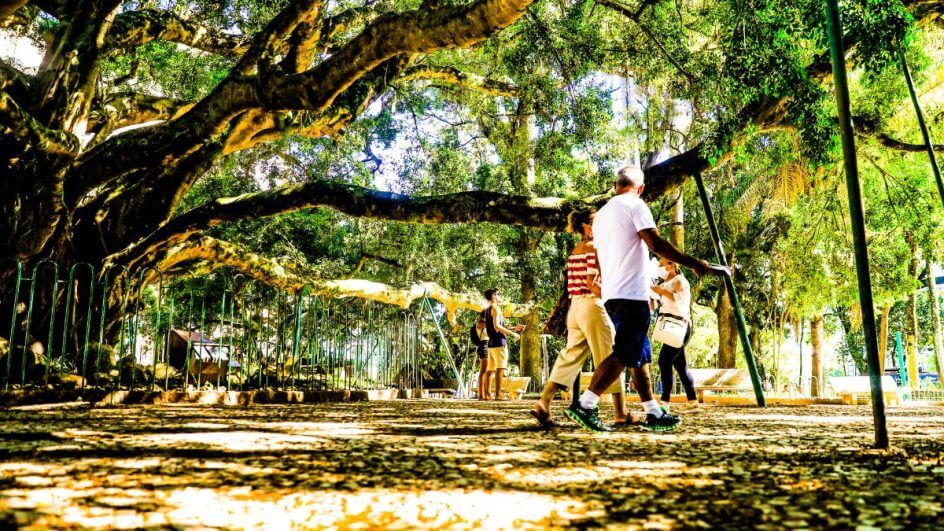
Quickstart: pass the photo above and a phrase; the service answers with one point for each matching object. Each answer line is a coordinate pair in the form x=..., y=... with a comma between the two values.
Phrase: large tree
x=97, y=165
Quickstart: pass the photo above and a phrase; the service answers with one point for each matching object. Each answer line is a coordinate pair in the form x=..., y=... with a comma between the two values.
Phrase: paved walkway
x=431, y=464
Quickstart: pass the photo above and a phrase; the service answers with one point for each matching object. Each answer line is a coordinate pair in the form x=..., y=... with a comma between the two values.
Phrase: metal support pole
x=461, y=391
x=924, y=128
x=735, y=301
x=857, y=216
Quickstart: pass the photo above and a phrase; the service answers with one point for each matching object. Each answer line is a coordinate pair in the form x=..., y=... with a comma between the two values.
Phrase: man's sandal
x=543, y=418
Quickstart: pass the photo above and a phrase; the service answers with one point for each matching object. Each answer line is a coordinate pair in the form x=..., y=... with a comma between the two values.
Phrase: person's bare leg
x=605, y=374
x=543, y=405
x=499, y=374
x=483, y=383
x=620, y=414
x=643, y=382
x=485, y=391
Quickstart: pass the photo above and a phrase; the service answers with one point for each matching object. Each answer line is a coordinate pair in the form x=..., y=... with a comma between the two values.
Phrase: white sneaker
x=690, y=406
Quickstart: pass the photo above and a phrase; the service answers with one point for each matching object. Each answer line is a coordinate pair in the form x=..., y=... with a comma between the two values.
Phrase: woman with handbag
x=589, y=329
x=673, y=328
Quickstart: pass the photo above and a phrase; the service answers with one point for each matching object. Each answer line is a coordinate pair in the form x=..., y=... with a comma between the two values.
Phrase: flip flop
x=544, y=420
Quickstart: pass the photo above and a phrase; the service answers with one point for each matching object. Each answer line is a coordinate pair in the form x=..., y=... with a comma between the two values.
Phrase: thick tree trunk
x=816, y=361
x=530, y=353
x=935, y=324
x=727, y=331
x=911, y=317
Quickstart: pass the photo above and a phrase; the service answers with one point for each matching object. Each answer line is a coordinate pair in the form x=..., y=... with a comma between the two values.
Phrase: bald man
x=625, y=233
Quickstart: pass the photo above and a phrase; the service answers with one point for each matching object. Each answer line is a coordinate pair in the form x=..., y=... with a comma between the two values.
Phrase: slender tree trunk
x=911, y=319
x=883, y=338
x=677, y=234
x=936, y=325
x=798, y=328
x=816, y=369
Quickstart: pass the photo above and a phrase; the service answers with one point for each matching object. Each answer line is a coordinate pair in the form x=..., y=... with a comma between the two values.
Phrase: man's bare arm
x=499, y=319
x=664, y=248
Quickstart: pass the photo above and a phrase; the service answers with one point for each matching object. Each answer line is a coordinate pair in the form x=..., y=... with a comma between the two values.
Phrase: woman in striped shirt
x=589, y=330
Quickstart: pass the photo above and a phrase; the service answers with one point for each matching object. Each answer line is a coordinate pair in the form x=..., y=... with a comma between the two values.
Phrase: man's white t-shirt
x=622, y=255
x=682, y=291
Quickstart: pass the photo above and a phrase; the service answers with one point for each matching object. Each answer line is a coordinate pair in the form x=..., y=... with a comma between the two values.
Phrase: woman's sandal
x=543, y=418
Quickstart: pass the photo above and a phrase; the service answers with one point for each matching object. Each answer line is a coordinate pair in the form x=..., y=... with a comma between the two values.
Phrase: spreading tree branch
x=287, y=278
x=9, y=7
x=454, y=76
x=132, y=108
x=892, y=143
x=136, y=28
x=273, y=40
x=31, y=133
x=463, y=207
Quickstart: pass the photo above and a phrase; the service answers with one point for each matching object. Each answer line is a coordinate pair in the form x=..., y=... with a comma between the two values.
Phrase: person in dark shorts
x=624, y=232
x=589, y=330
x=479, y=338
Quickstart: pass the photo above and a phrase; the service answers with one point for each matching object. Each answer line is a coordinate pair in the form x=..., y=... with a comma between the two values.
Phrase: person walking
x=675, y=300
x=624, y=231
x=497, y=339
x=478, y=336
x=589, y=330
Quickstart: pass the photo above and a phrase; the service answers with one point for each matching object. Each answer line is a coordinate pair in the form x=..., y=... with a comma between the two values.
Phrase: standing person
x=497, y=339
x=675, y=300
x=624, y=232
x=589, y=330
x=479, y=338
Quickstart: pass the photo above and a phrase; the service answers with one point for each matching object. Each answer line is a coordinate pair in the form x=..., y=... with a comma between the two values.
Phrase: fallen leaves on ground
x=461, y=464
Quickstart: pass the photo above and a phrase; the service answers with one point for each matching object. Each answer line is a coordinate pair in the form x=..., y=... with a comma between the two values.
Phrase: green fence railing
x=113, y=328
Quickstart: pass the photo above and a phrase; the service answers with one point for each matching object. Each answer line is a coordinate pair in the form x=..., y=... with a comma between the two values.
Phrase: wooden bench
x=854, y=390
x=514, y=386
x=721, y=380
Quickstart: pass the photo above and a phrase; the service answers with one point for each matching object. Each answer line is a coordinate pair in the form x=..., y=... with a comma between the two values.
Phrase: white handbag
x=670, y=331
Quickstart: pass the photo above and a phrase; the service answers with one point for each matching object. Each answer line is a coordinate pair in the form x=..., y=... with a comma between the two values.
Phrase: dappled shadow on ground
x=461, y=464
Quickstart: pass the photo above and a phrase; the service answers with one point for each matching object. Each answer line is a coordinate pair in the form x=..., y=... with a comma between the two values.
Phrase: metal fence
x=117, y=329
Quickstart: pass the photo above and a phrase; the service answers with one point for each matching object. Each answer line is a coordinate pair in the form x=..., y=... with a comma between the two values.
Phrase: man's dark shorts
x=631, y=320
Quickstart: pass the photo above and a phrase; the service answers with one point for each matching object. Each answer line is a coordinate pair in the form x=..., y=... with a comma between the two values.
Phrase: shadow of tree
x=461, y=464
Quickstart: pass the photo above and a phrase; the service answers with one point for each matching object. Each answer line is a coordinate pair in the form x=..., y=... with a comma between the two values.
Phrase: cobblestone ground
x=455, y=464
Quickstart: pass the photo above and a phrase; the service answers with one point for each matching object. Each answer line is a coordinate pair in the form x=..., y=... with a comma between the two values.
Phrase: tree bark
x=911, y=316
x=883, y=338
x=816, y=360
x=530, y=353
x=935, y=324
x=727, y=331
x=677, y=234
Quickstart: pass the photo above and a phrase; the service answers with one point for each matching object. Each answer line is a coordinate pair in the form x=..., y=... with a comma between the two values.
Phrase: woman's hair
x=576, y=220
x=489, y=293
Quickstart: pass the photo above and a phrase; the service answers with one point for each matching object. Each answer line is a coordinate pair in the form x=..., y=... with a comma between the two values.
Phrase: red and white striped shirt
x=578, y=267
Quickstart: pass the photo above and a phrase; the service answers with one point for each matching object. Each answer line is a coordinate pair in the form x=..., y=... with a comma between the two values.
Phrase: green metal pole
x=729, y=285
x=924, y=128
x=16, y=296
x=857, y=216
x=900, y=354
